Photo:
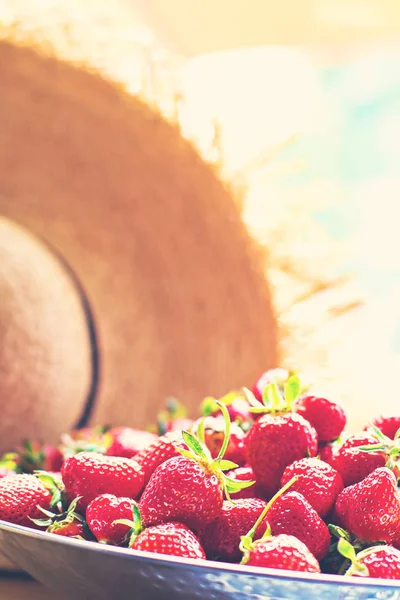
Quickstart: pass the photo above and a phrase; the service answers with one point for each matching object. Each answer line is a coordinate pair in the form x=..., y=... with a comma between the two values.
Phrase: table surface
x=15, y=587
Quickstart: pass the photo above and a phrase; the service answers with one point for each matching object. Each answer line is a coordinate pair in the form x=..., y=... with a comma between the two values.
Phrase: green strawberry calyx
x=135, y=525
x=99, y=441
x=391, y=448
x=278, y=397
x=338, y=533
x=10, y=461
x=348, y=551
x=55, y=521
x=173, y=410
x=209, y=404
x=54, y=486
x=247, y=541
x=198, y=451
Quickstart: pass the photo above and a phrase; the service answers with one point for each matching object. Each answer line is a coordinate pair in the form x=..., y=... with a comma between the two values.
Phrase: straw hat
x=171, y=286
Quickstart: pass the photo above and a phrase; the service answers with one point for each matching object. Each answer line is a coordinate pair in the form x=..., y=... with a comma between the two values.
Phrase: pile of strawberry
x=265, y=477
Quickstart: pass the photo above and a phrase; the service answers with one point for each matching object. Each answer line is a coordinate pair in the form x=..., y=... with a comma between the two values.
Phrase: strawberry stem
x=247, y=540
x=227, y=432
x=200, y=431
x=347, y=550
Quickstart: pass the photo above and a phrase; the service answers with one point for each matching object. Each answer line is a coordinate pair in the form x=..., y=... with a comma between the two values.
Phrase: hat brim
x=175, y=284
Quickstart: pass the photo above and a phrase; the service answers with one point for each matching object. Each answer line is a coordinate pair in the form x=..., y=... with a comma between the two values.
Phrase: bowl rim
x=198, y=564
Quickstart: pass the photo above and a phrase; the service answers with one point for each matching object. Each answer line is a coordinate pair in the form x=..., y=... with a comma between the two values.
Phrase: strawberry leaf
x=200, y=431
x=41, y=522
x=257, y=410
x=252, y=400
x=194, y=444
x=226, y=465
x=208, y=406
x=292, y=389
x=339, y=532
x=187, y=453
x=346, y=549
x=234, y=485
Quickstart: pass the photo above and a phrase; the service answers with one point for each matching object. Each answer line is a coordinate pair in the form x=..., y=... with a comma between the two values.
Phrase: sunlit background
x=308, y=136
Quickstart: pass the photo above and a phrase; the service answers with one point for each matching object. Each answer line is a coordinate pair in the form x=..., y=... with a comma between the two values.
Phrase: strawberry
x=221, y=538
x=281, y=552
x=173, y=418
x=101, y=514
x=127, y=442
x=318, y=482
x=376, y=561
x=293, y=515
x=214, y=438
x=173, y=539
x=33, y=456
x=389, y=426
x=281, y=435
x=88, y=439
x=353, y=463
x=159, y=451
x=182, y=489
x=235, y=402
x=274, y=442
x=75, y=529
x=370, y=509
x=190, y=488
x=21, y=497
x=244, y=474
x=90, y=474
x=67, y=524
x=327, y=451
x=327, y=417
x=278, y=376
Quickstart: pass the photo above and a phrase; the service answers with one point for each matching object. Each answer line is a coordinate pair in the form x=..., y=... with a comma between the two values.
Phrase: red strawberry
x=278, y=376
x=376, y=561
x=101, y=514
x=127, y=442
x=189, y=488
x=327, y=451
x=173, y=539
x=235, y=402
x=75, y=529
x=318, y=482
x=68, y=523
x=293, y=515
x=173, y=418
x=274, y=442
x=158, y=452
x=87, y=439
x=354, y=464
x=20, y=497
x=281, y=552
x=35, y=456
x=370, y=509
x=214, y=437
x=327, y=417
x=221, y=538
x=182, y=489
x=245, y=474
x=90, y=474
x=388, y=425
